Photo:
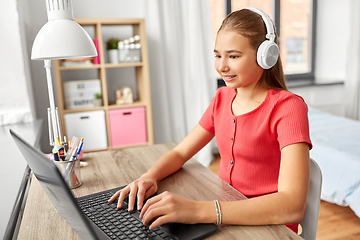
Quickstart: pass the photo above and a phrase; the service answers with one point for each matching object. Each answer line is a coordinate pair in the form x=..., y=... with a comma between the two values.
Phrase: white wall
x=332, y=37
x=15, y=97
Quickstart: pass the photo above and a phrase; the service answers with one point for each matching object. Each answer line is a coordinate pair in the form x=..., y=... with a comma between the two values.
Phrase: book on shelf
x=96, y=58
x=87, y=61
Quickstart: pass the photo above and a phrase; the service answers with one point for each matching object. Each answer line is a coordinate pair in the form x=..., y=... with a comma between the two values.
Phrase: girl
x=262, y=133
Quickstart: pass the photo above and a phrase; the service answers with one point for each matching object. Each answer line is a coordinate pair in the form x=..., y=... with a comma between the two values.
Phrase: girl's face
x=235, y=60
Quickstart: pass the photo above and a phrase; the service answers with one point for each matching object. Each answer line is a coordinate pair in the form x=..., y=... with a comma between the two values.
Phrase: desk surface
x=110, y=169
x=13, y=166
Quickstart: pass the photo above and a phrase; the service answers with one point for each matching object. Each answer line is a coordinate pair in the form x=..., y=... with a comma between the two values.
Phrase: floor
x=335, y=222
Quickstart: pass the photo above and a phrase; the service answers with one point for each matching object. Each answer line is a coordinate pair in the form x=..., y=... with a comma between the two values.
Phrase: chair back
x=310, y=220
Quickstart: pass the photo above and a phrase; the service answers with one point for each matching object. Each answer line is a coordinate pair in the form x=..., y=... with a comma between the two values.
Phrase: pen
x=81, y=140
x=78, y=152
x=58, y=142
x=73, y=155
x=73, y=145
x=66, y=146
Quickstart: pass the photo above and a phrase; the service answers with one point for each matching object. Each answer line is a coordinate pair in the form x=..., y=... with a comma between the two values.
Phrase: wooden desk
x=110, y=169
x=14, y=174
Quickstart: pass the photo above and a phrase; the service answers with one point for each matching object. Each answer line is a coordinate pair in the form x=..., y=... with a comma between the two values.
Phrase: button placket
x=232, y=148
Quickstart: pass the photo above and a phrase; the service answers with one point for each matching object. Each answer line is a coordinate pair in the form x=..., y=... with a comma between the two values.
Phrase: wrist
x=148, y=175
x=206, y=212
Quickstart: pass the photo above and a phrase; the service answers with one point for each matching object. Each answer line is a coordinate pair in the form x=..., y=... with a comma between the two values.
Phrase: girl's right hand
x=141, y=189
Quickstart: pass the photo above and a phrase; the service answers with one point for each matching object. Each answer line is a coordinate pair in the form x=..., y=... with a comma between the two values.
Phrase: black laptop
x=91, y=216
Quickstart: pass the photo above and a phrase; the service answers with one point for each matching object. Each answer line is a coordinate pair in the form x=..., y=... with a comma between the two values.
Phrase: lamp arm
x=54, y=121
x=51, y=137
x=58, y=124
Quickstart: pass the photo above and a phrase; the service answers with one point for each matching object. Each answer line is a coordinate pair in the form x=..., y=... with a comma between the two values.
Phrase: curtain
x=352, y=83
x=183, y=80
x=16, y=100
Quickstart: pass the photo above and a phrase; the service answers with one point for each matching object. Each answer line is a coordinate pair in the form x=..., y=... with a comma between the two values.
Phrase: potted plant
x=112, y=47
x=98, y=100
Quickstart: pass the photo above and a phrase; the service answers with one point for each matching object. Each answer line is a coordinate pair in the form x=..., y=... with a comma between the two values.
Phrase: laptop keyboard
x=118, y=223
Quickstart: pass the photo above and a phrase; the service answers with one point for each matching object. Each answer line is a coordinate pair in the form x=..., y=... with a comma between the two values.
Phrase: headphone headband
x=268, y=23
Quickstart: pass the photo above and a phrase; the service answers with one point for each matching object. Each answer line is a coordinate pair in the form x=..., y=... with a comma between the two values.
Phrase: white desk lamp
x=60, y=38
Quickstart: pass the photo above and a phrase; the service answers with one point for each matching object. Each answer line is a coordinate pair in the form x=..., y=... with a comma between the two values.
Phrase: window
x=294, y=20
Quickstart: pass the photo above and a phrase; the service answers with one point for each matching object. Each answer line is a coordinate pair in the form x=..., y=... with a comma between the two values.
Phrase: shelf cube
x=127, y=126
x=88, y=125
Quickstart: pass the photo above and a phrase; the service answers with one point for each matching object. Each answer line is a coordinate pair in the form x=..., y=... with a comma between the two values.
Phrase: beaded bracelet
x=218, y=212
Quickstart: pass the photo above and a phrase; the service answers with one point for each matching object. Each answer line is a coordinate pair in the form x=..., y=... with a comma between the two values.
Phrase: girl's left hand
x=167, y=207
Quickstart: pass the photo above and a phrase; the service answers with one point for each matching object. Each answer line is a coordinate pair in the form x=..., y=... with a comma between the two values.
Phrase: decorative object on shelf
x=98, y=100
x=130, y=49
x=60, y=38
x=112, y=47
x=124, y=95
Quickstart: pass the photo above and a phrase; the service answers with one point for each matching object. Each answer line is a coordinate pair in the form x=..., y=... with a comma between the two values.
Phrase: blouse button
x=229, y=183
x=234, y=120
x=231, y=162
x=231, y=139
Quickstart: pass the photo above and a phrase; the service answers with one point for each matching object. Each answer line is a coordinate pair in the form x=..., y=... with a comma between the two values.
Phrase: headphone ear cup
x=267, y=54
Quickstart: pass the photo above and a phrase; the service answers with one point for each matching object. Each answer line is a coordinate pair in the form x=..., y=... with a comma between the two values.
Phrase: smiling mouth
x=228, y=77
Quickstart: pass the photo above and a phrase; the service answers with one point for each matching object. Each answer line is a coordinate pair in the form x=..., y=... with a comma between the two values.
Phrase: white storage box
x=81, y=94
x=88, y=125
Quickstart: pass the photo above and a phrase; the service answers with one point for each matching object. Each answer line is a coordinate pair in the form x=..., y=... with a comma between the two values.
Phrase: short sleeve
x=292, y=122
x=207, y=120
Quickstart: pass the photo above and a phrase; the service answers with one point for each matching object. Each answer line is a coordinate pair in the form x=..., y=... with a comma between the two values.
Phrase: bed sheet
x=336, y=148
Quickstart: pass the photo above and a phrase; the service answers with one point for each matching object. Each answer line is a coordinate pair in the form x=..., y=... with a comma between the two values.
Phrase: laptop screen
x=55, y=188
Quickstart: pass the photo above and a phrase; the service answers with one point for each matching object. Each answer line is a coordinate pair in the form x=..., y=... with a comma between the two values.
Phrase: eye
x=217, y=56
x=233, y=56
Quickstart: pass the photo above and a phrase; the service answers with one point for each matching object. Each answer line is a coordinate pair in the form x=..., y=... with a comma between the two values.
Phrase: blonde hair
x=251, y=25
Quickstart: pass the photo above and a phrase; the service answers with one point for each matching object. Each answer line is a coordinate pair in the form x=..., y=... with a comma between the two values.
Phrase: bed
x=336, y=148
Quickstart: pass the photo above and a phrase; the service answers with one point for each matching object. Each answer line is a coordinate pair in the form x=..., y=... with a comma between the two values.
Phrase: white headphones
x=268, y=51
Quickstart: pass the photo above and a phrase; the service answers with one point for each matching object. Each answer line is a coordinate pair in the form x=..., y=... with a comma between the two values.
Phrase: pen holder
x=70, y=170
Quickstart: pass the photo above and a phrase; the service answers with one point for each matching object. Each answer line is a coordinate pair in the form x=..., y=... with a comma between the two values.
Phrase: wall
x=332, y=37
x=15, y=92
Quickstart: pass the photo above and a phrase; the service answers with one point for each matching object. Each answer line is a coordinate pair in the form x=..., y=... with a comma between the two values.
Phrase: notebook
x=98, y=221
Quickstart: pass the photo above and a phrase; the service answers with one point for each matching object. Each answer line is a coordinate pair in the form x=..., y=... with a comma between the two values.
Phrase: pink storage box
x=127, y=126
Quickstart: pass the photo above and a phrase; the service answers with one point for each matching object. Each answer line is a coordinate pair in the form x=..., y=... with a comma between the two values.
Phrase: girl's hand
x=141, y=189
x=167, y=207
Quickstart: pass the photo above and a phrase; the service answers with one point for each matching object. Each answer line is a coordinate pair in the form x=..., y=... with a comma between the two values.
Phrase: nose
x=223, y=65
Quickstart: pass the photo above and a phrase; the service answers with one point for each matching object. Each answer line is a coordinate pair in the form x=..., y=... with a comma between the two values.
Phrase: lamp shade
x=62, y=39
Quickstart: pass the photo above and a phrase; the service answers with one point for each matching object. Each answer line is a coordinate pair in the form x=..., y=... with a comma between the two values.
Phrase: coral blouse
x=250, y=144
